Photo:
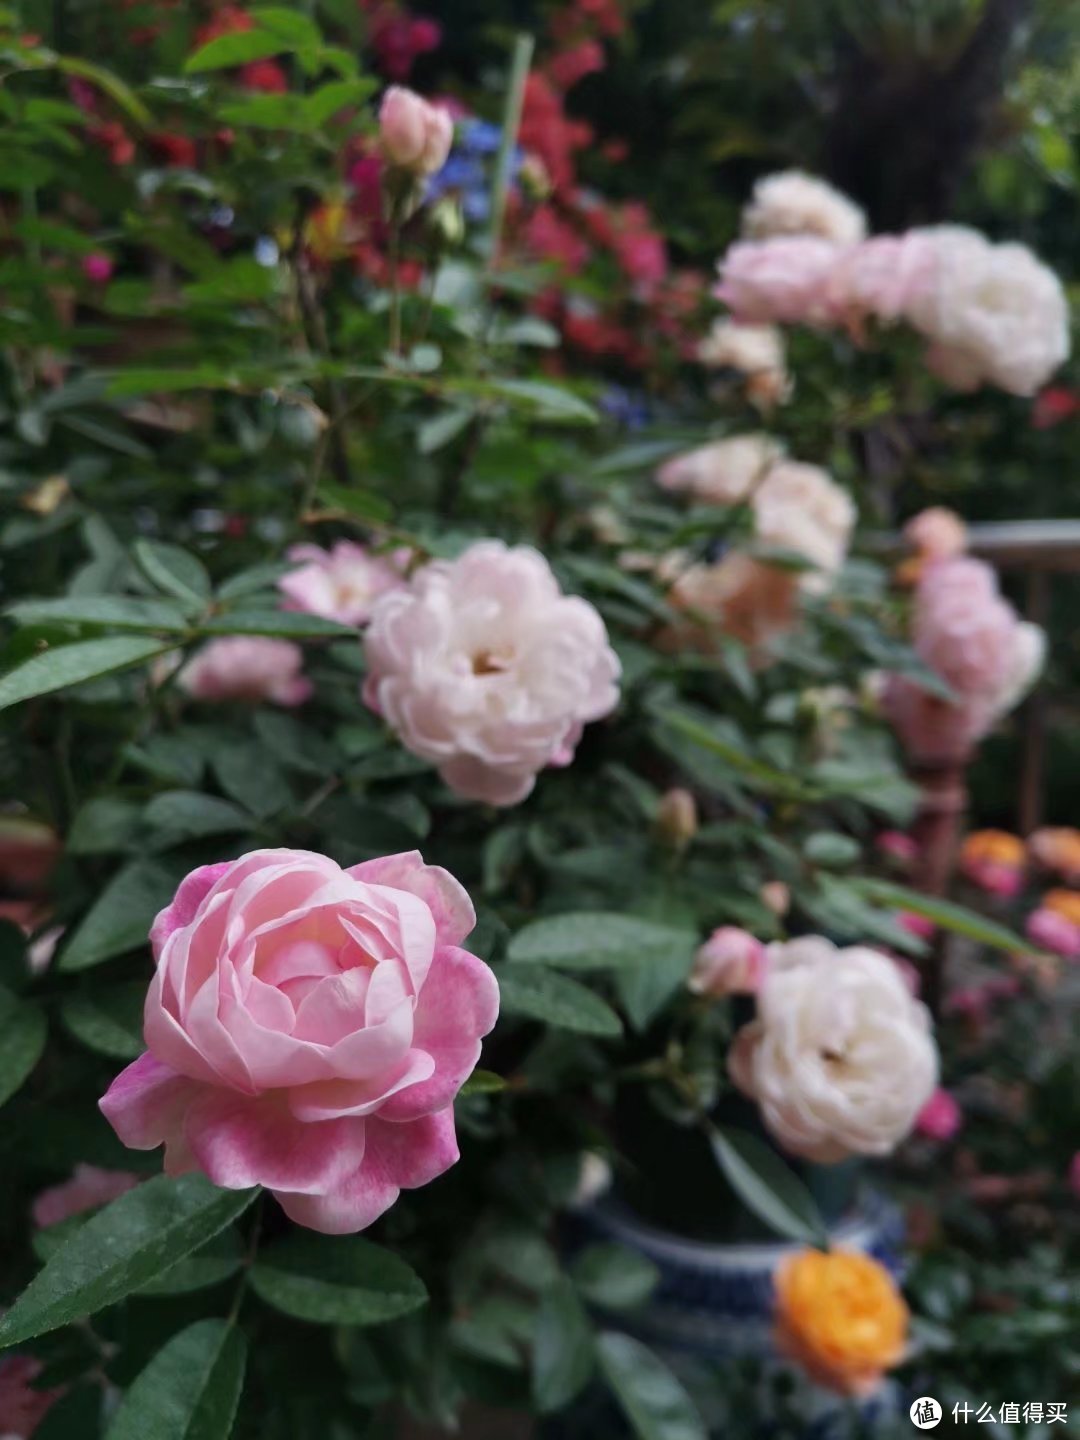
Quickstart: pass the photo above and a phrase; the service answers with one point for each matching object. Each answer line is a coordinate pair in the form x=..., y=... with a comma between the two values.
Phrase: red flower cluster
x=398, y=37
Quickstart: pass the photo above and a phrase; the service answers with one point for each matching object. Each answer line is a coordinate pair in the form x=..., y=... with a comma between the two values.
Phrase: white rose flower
x=483, y=666
x=841, y=1057
x=1025, y=666
x=756, y=351
x=794, y=203
x=992, y=313
x=723, y=472
x=800, y=508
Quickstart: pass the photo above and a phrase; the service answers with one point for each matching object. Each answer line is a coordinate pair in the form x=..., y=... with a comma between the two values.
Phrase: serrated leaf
x=343, y=1280
x=209, y=1265
x=175, y=571
x=189, y=1391
x=482, y=1082
x=121, y=917
x=535, y=993
x=652, y=1399
x=290, y=624
x=563, y=1356
x=107, y=1019
x=104, y=826
x=768, y=1187
x=66, y=665
x=129, y=1243
x=181, y=815
x=598, y=940
x=614, y=1276
x=119, y=612
x=22, y=1040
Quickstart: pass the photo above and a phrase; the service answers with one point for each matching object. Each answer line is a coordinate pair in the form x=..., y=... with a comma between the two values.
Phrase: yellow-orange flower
x=841, y=1317
x=1063, y=902
x=1057, y=848
x=996, y=846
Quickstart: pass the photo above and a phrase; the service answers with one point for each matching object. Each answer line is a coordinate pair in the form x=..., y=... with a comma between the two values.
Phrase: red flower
x=1053, y=405
x=176, y=151
x=398, y=38
x=549, y=133
x=551, y=237
x=229, y=20
x=265, y=75
x=114, y=138
x=567, y=68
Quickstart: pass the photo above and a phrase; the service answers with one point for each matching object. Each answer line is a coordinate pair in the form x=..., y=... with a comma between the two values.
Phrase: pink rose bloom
x=22, y=1408
x=1054, y=932
x=484, y=667
x=89, y=1187
x=414, y=135
x=1074, y=1175
x=731, y=962
x=931, y=729
x=963, y=629
x=247, y=667
x=995, y=878
x=307, y=1029
x=97, y=267
x=940, y=1118
x=882, y=277
x=341, y=583
x=937, y=533
x=783, y=280
x=898, y=846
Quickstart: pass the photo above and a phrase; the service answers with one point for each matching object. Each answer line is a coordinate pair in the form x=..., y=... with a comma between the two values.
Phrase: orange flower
x=1057, y=849
x=1063, y=902
x=996, y=846
x=841, y=1317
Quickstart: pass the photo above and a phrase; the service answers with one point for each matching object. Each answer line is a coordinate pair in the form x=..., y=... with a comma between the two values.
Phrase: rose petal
x=240, y=1142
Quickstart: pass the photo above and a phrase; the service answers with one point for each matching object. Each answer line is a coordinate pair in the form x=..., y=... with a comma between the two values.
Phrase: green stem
x=395, y=285
x=515, y=101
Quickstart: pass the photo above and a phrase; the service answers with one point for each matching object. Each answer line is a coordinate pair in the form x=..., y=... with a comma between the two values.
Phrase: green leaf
x=291, y=624
x=189, y=1391
x=251, y=776
x=175, y=571
x=344, y=1280
x=227, y=51
x=181, y=815
x=120, y=1250
x=550, y=402
x=116, y=89
x=103, y=826
x=944, y=913
x=22, y=1039
x=652, y=1399
x=66, y=665
x=614, y=1276
x=539, y=994
x=563, y=1354
x=329, y=99
x=118, y=612
x=599, y=940
x=687, y=726
x=831, y=849
x=768, y=1187
x=107, y=1020
x=441, y=428
x=482, y=1082
x=209, y=1265
x=121, y=917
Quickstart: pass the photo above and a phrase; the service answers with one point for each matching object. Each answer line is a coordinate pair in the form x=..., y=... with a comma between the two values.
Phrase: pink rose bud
x=937, y=533
x=250, y=668
x=414, y=134
x=88, y=1188
x=307, y=1029
x=731, y=962
x=940, y=1118
x=1054, y=932
x=98, y=267
x=898, y=846
x=775, y=896
x=677, y=818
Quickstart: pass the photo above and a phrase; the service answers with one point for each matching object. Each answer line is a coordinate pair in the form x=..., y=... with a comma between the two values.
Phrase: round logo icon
x=925, y=1413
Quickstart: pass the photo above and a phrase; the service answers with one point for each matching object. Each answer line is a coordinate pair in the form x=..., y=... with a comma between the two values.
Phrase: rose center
x=485, y=662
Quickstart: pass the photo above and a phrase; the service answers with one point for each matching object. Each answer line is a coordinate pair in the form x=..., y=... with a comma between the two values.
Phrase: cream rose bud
x=723, y=472
x=484, y=667
x=794, y=203
x=992, y=313
x=414, y=134
x=755, y=351
x=800, y=508
x=841, y=1058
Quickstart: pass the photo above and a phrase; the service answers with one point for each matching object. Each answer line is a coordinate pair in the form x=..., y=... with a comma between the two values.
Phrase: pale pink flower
x=800, y=508
x=940, y=1118
x=731, y=962
x=341, y=583
x=791, y=202
x=898, y=846
x=307, y=1030
x=484, y=667
x=881, y=278
x=963, y=629
x=937, y=533
x=931, y=729
x=724, y=472
x=785, y=280
x=414, y=134
x=741, y=597
x=756, y=352
x=89, y=1187
x=1053, y=931
x=250, y=668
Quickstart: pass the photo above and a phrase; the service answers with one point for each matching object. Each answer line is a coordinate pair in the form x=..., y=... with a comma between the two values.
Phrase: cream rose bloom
x=800, y=508
x=484, y=667
x=794, y=203
x=993, y=313
x=755, y=351
x=841, y=1057
x=723, y=472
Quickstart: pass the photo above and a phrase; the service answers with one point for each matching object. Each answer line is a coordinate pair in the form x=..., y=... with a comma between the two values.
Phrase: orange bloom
x=1063, y=902
x=1057, y=848
x=996, y=846
x=841, y=1317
